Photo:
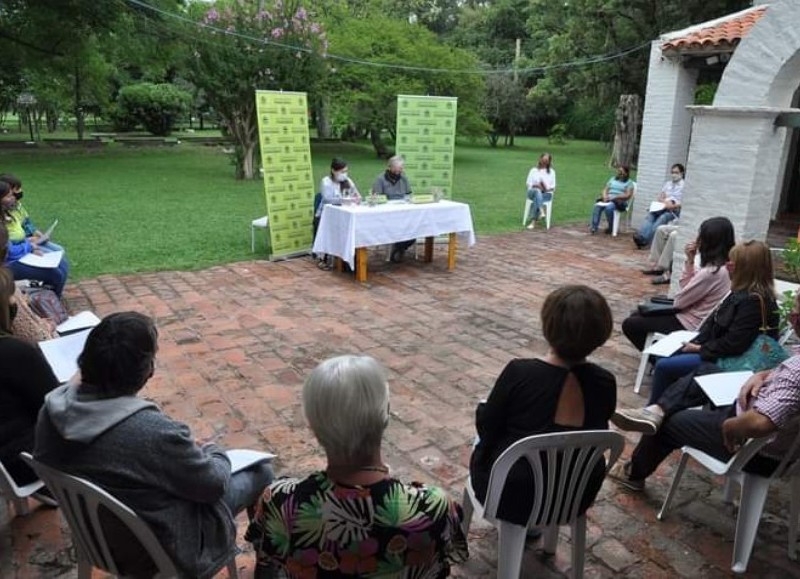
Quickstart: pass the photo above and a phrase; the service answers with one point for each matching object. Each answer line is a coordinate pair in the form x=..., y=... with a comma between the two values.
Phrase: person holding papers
x=541, y=184
x=700, y=289
x=22, y=221
x=666, y=207
x=25, y=379
x=768, y=404
x=615, y=197
x=18, y=257
x=354, y=519
x=729, y=331
x=97, y=428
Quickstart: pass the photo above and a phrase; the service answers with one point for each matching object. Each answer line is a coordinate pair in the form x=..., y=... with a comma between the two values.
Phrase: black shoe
x=607, y=231
x=640, y=244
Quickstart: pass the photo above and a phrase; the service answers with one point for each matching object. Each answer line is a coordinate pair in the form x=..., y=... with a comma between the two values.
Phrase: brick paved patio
x=236, y=342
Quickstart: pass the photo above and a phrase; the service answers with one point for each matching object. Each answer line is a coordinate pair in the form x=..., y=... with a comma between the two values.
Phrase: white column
x=666, y=125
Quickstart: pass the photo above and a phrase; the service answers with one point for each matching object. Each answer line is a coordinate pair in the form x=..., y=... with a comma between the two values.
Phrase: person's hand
x=730, y=438
x=37, y=251
x=751, y=388
x=690, y=348
x=690, y=250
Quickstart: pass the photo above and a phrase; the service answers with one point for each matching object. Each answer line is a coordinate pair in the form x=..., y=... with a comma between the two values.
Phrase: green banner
x=426, y=135
x=288, y=179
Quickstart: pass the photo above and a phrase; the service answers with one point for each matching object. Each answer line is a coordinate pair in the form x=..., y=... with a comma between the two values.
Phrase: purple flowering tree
x=242, y=46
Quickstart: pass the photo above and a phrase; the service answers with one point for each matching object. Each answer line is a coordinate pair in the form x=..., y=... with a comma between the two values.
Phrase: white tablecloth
x=343, y=229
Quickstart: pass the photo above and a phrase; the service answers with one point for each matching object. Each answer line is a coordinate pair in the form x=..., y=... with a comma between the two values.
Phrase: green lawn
x=128, y=210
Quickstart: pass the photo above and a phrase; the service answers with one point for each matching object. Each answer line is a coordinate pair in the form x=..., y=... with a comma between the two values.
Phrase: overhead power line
x=336, y=57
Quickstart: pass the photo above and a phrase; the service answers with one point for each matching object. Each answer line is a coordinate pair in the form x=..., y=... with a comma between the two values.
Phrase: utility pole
x=517, y=52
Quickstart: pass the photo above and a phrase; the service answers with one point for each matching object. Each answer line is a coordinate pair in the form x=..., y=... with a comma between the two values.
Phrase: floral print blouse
x=316, y=528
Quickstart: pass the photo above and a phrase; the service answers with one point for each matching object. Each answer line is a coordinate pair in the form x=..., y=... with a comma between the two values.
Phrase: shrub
x=155, y=106
x=557, y=135
x=590, y=120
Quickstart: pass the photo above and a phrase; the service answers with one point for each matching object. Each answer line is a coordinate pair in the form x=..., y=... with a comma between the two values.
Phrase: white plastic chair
x=556, y=499
x=626, y=215
x=547, y=209
x=754, y=490
x=15, y=494
x=81, y=503
x=651, y=339
x=260, y=223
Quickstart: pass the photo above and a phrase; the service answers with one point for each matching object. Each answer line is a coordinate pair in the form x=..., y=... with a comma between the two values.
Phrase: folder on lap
x=45, y=261
x=723, y=388
x=670, y=343
x=242, y=458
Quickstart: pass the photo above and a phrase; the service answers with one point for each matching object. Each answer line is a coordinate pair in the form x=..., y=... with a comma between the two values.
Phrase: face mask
x=675, y=177
x=341, y=177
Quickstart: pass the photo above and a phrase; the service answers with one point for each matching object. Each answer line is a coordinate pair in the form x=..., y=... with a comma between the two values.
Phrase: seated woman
x=541, y=183
x=52, y=276
x=353, y=519
x=670, y=196
x=659, y=262
x=333, y=188
x=701, y=289
x=26, y=325
x=729, y=331
x=27, y=378
x=22, y=217
x=559, y=392
x=615, y=197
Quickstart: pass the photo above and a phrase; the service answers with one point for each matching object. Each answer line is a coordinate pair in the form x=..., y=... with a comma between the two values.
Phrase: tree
x=506, y=107
x=155, y=106
x=363, y=97
x=239, y=49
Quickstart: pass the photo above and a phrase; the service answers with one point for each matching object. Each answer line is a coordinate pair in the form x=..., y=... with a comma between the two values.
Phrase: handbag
x=764, y=353
x=656, y=307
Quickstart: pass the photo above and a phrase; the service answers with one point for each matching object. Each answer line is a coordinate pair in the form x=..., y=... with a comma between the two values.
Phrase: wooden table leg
x=428, y=250
x=339, y=264
x=361, y=264
x=451, y=252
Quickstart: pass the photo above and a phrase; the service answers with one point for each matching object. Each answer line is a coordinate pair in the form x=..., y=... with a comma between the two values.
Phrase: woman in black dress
x=558, y=392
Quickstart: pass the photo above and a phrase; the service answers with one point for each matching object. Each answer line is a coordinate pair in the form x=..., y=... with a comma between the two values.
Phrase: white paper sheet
x=78, y=322
x=670, y=344
x=723, y=388
x=62, y=353
x=604, y=203
x=45, y=261
x=657, y=206
x=242, y=458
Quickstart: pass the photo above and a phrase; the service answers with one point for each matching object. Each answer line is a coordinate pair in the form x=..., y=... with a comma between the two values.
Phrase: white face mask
x=675, y=177
x=341, y=177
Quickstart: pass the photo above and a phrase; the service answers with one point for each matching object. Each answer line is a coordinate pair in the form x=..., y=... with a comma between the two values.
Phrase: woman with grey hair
x=353, y=519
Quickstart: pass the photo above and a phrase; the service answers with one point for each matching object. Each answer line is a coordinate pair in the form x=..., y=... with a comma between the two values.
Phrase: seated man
x=99, y=429
x=670, y=197
x=394, y=185
x=661, y=252
x=769, y=403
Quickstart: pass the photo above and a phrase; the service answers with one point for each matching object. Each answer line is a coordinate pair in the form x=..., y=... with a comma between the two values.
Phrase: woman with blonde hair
x=749, y=310
x=541, y=183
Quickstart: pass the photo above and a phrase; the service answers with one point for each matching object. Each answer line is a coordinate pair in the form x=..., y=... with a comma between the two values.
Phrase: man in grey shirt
x=394, y=185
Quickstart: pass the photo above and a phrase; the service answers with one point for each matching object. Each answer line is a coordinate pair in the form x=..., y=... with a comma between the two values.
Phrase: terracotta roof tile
x=720, y=36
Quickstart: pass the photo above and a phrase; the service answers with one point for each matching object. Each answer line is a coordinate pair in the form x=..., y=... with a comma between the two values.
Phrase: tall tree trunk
x=627, y=123
x=324, y=117
x=79, y=121
x=377, y=142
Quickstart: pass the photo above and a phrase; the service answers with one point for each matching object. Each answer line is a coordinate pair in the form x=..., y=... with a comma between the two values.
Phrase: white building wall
x=666, y=125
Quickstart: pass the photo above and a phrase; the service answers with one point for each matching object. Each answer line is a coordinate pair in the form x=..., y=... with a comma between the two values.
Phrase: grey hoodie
x=149, y=462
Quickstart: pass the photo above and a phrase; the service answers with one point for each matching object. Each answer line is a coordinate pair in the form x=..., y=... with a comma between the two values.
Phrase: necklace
x=384, y=468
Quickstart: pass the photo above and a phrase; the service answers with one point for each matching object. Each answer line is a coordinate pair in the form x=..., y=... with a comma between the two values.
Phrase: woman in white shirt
x=541, y=184
x=333, y=188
